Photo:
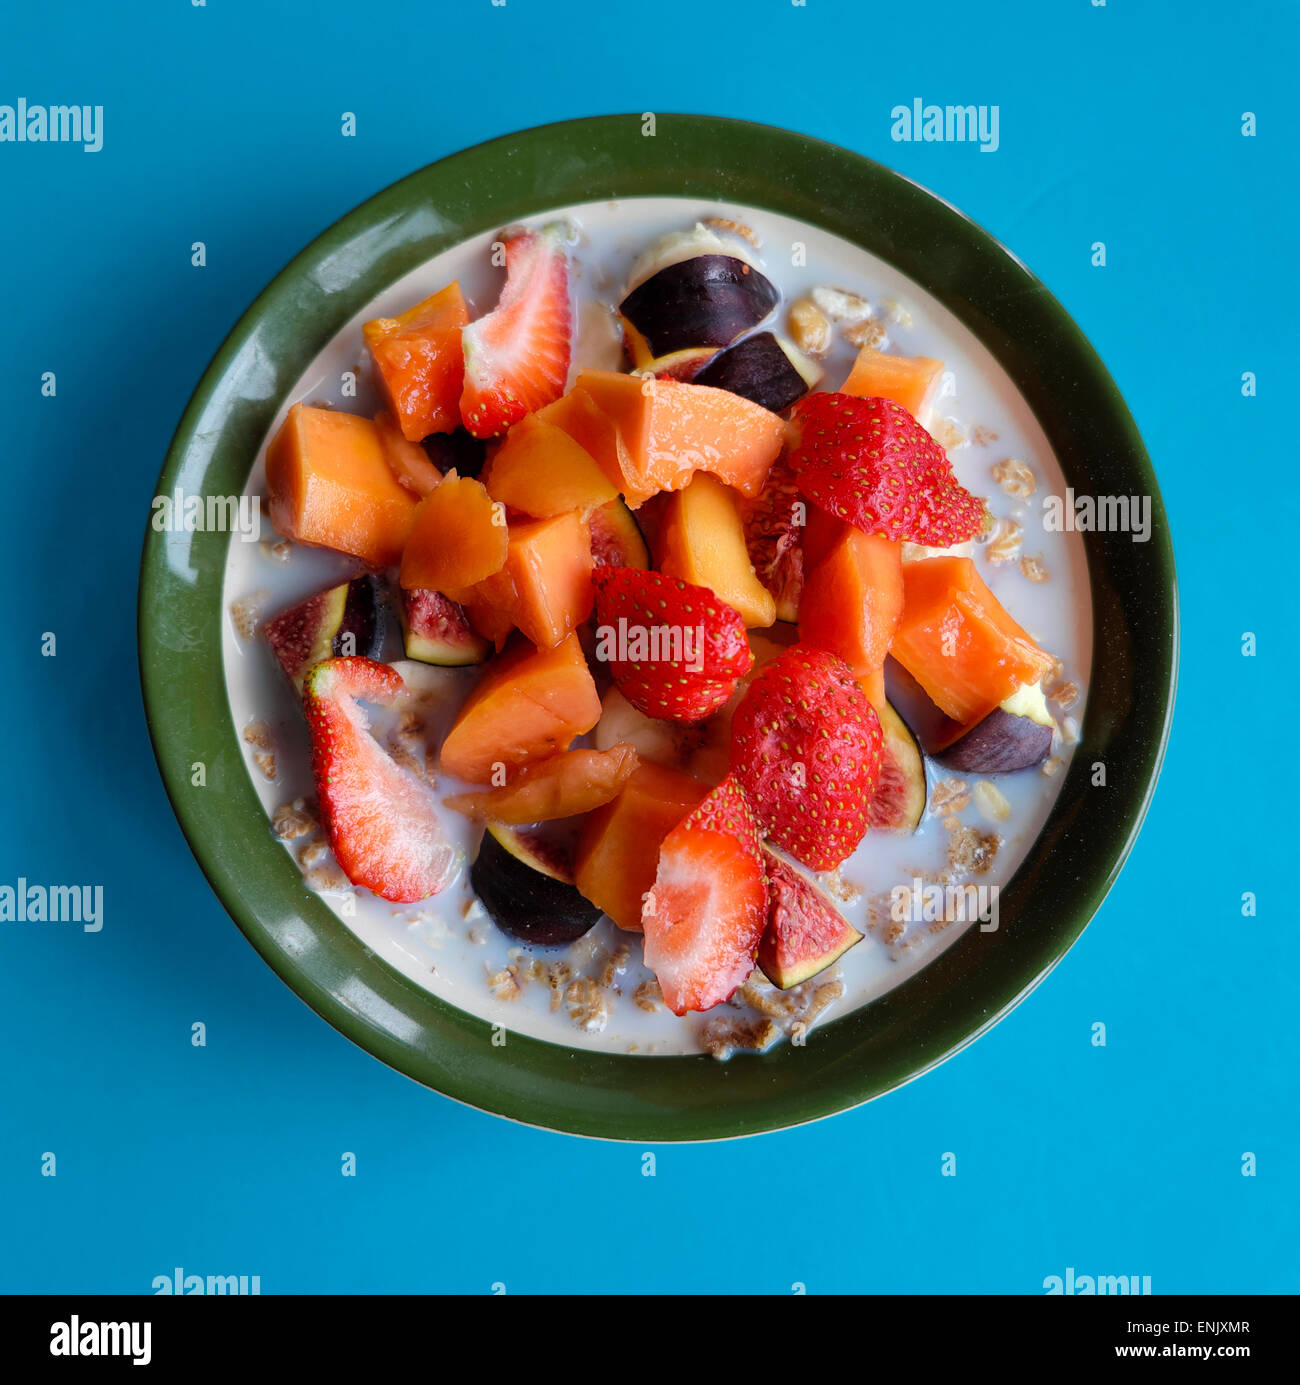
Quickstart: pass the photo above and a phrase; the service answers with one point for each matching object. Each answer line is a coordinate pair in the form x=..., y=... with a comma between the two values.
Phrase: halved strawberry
x=382, y=821
x=517, y=357
x=674, y=649
x=869, y=462
x=706, y=913
x=805, y=747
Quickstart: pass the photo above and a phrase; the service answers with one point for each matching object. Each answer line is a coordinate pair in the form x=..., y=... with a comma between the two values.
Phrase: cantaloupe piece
x=702, y=541
x=541, y=471
x=578, y=415
x=908, y=380
x=408, y=461
x=490, y=606
x=618, y=849
x=959, y=642
x=550, y=563
x=420, y=362
x=458, y=538
x=530, y=703
x=329, y=485
x=669, y=430
x=852, y=596
x=561, y=786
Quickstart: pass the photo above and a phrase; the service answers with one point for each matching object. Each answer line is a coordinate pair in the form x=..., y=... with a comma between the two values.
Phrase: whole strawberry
x=805, y=747
x=674, y=649
x=869, y=462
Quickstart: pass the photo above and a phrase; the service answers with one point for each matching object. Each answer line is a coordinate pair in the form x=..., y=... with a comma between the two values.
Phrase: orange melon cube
x=550, y=564
x=618, y=849
x=908, y=380
x=852, y=595
x=541, y=471
x=702, y=541
x=958, y=641
x=529, y=703
x=329, y=485
x=458, y=537
x=561, y=786
x=669, y=429
x=408, y=461
x=420, y=362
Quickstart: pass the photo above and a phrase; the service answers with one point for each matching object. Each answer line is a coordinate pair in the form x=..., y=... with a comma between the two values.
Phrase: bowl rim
x=979, y=978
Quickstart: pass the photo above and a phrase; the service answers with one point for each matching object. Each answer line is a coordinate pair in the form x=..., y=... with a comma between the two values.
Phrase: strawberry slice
x=706, y=913
x=674, y=649
x=869, y=462
x=805, y=747
x=517, y=357
x=382, y=821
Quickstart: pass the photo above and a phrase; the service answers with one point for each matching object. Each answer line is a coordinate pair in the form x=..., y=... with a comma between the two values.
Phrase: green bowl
x=978, y=978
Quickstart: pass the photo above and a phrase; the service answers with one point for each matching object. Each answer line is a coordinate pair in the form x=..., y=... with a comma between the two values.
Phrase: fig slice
x=1013, y=736
x=763, y=368
x=437, y=631
x=342, y=620
x=899, y=801
x=707, y=300
x=805, y=932
x=525, y=882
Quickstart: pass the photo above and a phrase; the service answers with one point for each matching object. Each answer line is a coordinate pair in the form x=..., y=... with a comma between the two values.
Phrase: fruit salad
x=651, y=618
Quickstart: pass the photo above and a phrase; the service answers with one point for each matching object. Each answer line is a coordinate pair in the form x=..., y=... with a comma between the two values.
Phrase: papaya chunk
x=668, y=430
x=458, y=537
x=421, y=363
x=329, y=485
x=702, y=541
x=561, y=786
x=958, y=641
x=408, y=461
x=618, y=849
x=529, y=704
x=550, y=564
x=907, y=380
x=852, y=596
x=541, y=471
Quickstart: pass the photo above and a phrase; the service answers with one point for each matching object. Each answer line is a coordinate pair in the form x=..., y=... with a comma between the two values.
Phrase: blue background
x=1119, y=123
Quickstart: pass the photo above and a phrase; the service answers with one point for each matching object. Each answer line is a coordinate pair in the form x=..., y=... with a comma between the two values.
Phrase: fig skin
x=999, y=744
x=708, y=300
x=525, y=892
x=758, y=369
